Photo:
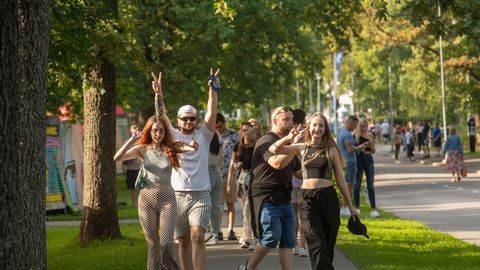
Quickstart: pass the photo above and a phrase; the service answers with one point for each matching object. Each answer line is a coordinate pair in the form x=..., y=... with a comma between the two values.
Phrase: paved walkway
x=422, y=191
x=228, y=254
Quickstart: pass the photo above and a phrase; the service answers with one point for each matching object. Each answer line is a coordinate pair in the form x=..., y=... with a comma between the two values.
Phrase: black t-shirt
x=277, y=184
x=426, y=129
x=244, y=156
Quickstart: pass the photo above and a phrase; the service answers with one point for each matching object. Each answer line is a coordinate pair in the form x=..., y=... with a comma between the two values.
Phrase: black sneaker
x=220, y=236
x=231, y=236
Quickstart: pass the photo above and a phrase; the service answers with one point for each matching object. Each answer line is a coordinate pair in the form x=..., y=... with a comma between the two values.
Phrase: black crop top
x=316, y=163
x=362, y=140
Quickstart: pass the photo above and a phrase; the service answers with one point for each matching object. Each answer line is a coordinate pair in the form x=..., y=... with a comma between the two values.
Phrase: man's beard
x=188, y=130
x=285, y=131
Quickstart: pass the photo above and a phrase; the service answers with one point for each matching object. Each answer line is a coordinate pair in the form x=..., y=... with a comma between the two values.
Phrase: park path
x=421, y=190
x=228, y=254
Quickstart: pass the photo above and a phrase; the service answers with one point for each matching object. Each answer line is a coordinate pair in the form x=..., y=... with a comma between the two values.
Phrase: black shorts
x=131, y=178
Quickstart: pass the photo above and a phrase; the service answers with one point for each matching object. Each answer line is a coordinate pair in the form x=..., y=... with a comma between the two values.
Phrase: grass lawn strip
x=405, y=244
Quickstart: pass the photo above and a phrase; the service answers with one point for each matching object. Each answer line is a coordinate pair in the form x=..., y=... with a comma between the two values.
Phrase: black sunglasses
x=186, y=118
x=283, y=110
x=247, y=123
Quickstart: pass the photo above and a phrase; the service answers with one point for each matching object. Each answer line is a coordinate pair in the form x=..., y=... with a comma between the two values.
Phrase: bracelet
x=275, y=145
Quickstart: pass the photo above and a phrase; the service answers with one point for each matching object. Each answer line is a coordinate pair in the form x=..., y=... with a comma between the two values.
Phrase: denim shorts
x=351, y=172
x=278, y=225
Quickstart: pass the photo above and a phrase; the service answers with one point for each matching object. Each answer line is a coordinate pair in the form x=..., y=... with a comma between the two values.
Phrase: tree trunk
x=100, y=218
x=23, y=80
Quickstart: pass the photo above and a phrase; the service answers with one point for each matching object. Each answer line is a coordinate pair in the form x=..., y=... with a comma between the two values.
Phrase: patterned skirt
x=454, y=161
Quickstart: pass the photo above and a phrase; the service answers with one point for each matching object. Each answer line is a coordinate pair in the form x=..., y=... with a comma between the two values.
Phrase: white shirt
x=385, y=128
x=193, y=172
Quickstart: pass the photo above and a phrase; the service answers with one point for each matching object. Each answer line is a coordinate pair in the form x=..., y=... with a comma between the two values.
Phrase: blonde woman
x=319, y=207
x=365, y=164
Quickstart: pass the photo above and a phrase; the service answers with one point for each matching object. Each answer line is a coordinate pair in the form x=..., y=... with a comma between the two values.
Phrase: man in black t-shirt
x=273, y=218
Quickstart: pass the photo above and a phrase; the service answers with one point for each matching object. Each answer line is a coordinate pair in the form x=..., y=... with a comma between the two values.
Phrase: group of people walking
x=408, y=136
x=190, y=168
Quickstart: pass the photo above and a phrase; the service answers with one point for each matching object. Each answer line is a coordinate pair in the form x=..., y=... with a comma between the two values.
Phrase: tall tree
x=23, y=80
x=100, y=217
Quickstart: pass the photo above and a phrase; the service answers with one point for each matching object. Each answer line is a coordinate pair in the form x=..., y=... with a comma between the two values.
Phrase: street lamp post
x=310, y=97
x=317, y=77
x=444, y=113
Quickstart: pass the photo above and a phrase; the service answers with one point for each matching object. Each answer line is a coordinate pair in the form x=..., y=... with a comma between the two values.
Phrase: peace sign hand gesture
x=214, y=80
x=295, y=132
x=157, y=83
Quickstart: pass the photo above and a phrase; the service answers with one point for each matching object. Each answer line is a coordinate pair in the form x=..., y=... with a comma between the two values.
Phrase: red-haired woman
x=157, y=206
x=319, y=208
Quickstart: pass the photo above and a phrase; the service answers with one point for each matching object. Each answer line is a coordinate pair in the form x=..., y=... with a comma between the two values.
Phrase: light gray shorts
x=193, y=209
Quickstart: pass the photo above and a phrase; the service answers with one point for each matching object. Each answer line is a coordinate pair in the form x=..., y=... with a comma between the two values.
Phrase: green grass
x=404, y=244
x=64, y=251
x=126, y=210
x=394, y=244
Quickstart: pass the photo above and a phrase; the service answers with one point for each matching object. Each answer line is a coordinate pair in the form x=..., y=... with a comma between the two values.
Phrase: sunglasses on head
x=283, y=110
x=247, y=123
x=187, y=118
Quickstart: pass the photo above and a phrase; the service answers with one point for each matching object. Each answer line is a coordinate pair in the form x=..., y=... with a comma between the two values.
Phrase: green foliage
x=260, y=46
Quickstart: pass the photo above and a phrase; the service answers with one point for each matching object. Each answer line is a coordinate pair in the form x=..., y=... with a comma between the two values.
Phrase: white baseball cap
x=187, y=109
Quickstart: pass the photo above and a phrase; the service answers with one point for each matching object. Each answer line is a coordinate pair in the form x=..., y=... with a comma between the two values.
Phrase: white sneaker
x=302, y=252
x=374, y=214
x=252, y=245
x=212, y=241
x=295, y=251
x=344, y=211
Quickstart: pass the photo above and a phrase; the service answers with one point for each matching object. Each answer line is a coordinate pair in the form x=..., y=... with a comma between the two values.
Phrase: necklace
x=157, y=152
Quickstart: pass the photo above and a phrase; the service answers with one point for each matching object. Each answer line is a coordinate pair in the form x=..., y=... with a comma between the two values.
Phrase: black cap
x=357, y=227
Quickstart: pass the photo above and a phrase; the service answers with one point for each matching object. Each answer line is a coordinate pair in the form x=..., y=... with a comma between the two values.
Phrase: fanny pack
x=244, y=178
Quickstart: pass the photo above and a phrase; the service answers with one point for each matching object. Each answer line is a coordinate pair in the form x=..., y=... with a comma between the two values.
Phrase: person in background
x=419, y=132
x=300, y=250
x=437, y=139
x=397, y=140
x=242, y=160
x=453, y=147
x=228, y=138
x=365, y=164
x=426, y=141
x=346, y=144
x=385, y=131
x=215, y=164
x=256, y=124
x=409, y=143
x=133, y=167
x=319, y=207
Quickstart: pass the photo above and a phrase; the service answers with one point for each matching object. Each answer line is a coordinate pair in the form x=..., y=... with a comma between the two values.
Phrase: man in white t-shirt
x=385, y=131
x=192, y=181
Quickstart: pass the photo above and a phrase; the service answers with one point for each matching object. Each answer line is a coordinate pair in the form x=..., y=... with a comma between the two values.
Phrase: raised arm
x=280, y=147
x=212, y=103
x=128, y=150
x=157, y=86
